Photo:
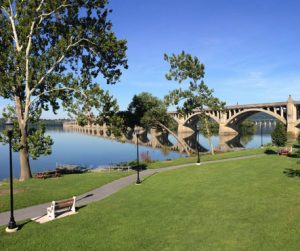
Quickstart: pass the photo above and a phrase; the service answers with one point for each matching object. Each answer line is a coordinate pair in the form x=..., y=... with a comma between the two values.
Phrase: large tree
x=196, y=96
x=50, y=54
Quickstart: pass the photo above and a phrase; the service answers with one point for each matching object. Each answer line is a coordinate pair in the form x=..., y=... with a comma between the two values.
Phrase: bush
x=146, y=157
x=279, y=135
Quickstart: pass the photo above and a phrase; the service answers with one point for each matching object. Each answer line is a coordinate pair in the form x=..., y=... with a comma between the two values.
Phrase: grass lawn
x=36, y=191
x=241, y=205
x=208, y=157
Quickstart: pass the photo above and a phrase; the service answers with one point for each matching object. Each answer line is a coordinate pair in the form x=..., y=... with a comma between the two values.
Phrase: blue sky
x=250, y=48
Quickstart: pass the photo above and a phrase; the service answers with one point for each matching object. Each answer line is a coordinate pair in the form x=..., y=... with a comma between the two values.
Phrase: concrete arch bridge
x=153, y=138
x=286, y=112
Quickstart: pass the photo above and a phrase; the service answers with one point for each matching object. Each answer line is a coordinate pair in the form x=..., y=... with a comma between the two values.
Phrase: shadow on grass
x=293, y=155
x=149, y=176
x=80, y=207
x=88, y=195
x=140, y=167
x=270, y=152
x=23, y=224
x=292, y=172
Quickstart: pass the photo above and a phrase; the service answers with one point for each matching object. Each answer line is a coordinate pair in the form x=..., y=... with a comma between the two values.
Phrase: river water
x=94, y=151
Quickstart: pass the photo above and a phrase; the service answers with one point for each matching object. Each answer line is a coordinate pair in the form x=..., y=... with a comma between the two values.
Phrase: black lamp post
x=137, y=131
x=198, y=132
x=261, y=134
x=12, y=226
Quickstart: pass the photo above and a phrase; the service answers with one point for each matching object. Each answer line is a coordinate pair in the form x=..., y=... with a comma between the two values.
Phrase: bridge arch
x=191, y=118
x=236, y=118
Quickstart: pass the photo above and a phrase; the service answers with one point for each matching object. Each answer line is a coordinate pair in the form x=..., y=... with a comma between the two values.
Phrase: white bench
x=59, y=206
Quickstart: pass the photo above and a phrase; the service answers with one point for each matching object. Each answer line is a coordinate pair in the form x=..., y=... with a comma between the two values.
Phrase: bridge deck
x=247, y=106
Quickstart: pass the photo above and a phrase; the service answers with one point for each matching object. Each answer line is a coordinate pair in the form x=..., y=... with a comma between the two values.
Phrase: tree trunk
x=25, y=173
x=182, y=143
x=209, y=137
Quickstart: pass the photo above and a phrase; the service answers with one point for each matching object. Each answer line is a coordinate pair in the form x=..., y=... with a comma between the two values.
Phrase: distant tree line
x=46, y=122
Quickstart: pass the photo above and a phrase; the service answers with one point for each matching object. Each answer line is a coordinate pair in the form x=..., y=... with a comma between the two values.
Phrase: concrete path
x=103, y=191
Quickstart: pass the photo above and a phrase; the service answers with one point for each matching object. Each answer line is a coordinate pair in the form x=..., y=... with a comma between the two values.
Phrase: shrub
x=279, y=135
x=146, y=157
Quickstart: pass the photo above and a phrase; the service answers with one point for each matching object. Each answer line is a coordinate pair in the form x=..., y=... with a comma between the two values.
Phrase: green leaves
x=184, y=67
x=279, y=134
x=61, y=44
x=38, y=143
x=148, y=110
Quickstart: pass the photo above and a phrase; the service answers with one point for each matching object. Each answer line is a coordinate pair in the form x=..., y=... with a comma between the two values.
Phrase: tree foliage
x=50, y=54
x=148, y=111
x=279, y=134
x=208, y=127
x=197, y=96
x=247, y=127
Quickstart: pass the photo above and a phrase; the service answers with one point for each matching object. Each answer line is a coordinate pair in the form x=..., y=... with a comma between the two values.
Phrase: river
x=94, y=151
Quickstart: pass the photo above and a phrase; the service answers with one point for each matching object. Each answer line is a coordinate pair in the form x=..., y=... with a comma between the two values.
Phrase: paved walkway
x=103, y=191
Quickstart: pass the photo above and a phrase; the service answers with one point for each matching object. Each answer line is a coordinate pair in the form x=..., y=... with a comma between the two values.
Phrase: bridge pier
x=225, y=130
x=291, y=117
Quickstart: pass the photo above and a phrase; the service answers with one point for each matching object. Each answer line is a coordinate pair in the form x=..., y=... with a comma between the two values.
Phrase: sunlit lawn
x=208, y=157
x=242, y=205
x=36, y=191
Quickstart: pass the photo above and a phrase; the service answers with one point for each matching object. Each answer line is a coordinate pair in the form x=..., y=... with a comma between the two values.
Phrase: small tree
x=208, y=128
x=197, y=96
x=279, y=135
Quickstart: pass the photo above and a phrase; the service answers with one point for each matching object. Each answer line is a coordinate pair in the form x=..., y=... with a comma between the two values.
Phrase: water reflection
x=90, y=148
x=250, y=135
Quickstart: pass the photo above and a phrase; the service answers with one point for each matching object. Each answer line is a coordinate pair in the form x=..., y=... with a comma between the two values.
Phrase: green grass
x=36, y=191
x=239, y=205
x=207, y=157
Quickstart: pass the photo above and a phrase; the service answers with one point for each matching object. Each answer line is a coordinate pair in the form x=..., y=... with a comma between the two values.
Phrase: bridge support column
x=291, y=117
x=223, y=128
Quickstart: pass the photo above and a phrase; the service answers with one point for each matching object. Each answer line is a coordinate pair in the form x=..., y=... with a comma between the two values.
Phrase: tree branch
x=57, y=62
x=56, y=89
x=43, y=15
x=174, y=134
x=40, y=6
x=27, y=104
x=13, y=25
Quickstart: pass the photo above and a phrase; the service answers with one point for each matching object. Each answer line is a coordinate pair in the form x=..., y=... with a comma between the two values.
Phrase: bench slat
x=63, y=204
